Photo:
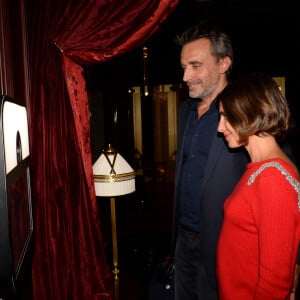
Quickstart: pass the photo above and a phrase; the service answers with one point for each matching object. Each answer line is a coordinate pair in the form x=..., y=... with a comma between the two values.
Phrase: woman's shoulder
x=272, y=169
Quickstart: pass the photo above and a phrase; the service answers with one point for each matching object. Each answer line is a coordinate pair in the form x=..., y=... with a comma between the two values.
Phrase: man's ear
x=225, y=64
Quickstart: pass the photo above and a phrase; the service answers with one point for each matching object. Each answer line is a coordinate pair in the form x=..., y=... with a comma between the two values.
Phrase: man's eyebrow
x=195, y=62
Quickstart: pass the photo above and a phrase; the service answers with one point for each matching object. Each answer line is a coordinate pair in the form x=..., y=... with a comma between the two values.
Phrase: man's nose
x=186, y=75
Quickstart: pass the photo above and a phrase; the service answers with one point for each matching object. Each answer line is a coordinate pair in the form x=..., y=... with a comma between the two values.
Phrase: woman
x=259, y=239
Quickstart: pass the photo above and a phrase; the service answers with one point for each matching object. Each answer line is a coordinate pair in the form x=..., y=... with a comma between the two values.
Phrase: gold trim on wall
x=281, y=83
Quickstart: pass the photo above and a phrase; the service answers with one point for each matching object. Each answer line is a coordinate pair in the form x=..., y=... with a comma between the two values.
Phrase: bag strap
x=295, y=183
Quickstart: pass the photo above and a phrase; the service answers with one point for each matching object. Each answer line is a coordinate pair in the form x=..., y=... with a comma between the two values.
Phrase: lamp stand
x=115, y=269
x=113, y=176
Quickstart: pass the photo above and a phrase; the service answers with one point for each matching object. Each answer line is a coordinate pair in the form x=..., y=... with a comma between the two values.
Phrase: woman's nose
x=220, y=126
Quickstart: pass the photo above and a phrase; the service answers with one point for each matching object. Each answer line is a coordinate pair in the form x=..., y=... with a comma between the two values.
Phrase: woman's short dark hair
x=254, y=105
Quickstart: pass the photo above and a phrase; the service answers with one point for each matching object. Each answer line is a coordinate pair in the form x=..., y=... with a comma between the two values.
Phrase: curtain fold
x=69, y=260
x=111, y=28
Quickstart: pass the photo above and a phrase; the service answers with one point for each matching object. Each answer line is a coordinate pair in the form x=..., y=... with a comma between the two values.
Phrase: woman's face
x=228, y=131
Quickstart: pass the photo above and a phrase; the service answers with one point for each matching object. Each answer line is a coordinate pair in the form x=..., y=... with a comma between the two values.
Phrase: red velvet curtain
x=69, y=260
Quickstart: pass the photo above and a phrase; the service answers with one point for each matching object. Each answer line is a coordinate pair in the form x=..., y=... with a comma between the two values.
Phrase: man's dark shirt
x=196, y=150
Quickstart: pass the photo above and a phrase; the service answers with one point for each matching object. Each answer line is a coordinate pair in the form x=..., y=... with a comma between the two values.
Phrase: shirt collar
x=194, y=104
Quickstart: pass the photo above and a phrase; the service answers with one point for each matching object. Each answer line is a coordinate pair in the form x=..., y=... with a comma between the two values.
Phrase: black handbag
x=165, y=271
x=162, y=282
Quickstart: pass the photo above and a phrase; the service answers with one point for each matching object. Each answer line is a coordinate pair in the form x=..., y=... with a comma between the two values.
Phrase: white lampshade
x=113, y=176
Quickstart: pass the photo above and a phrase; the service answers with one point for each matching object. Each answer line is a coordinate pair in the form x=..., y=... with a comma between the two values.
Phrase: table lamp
x=113, y=176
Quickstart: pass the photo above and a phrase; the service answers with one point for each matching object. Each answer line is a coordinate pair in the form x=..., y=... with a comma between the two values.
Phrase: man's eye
x=197, y=66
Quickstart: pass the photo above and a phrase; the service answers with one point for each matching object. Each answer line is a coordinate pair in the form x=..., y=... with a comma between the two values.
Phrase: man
x=206, y=169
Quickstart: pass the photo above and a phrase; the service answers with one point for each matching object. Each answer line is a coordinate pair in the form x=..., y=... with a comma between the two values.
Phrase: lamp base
x=115, y=270
x=116, y=283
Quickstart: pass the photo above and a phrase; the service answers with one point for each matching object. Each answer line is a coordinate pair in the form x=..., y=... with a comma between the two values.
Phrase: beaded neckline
x=284, y=172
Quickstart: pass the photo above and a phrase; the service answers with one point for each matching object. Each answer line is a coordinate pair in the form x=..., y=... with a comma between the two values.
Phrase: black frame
x=16, y=222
